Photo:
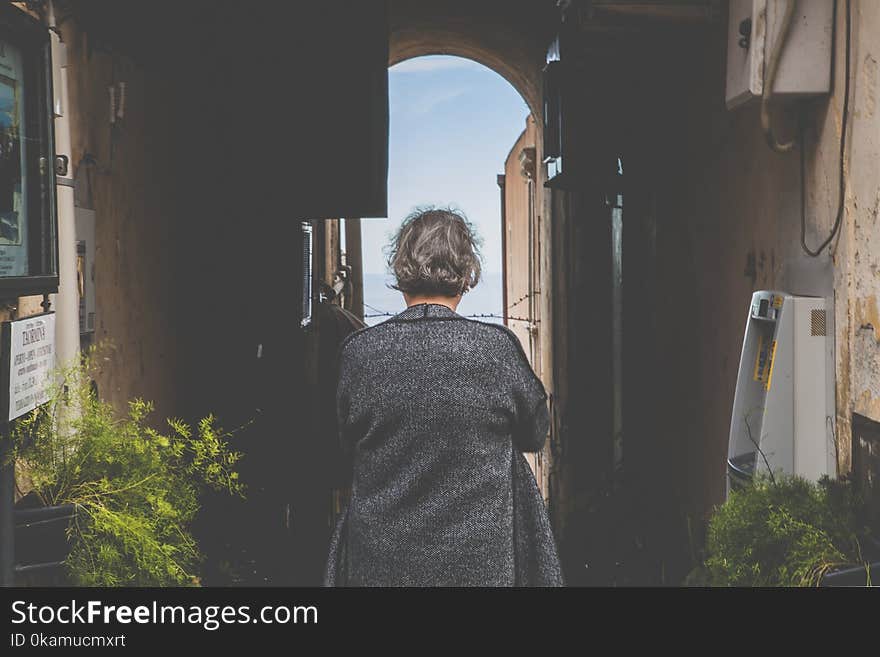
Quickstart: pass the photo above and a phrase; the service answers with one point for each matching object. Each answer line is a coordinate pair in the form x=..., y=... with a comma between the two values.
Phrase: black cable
x=841, y=204
x=770, y=80
x=380, y=312
x=474, y=316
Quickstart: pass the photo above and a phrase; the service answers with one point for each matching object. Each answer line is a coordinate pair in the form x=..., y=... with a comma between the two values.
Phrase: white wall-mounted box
x=784, y=405
x=805, y=62
x=84, y=220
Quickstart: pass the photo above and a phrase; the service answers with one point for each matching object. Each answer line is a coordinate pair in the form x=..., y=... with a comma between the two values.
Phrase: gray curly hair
x=436, y=251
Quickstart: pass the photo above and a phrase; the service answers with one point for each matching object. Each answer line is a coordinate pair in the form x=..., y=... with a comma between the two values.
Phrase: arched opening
x=453, y=124
x=524, y=83
x=463, y=135
x=510, y=40
x=492, y=36
x=510, y=66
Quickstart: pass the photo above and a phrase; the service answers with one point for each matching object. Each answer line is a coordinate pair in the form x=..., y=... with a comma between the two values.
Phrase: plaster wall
x=730, y=223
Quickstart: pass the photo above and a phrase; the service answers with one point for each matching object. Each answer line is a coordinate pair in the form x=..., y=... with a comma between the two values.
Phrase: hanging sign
x=28, y=349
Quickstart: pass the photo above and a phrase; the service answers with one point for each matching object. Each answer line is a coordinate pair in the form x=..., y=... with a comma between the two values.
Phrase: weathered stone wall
x=857, y=283
x=522, y=275
x=129, y=179
x=731, y=224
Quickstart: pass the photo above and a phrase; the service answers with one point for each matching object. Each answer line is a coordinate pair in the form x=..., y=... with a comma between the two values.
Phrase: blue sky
x=453, y=122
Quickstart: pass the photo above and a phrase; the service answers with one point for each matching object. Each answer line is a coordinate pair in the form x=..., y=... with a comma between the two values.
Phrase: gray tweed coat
x=434, y=411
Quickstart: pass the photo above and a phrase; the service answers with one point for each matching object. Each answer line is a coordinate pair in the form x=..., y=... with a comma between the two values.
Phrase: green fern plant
x=136, y=488
x=787, y=531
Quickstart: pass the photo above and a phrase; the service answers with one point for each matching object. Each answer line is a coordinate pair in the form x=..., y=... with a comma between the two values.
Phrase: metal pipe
x=66, y=302
x=354, y=259
x=7, y=511
x=501, y=180
x=31, y=567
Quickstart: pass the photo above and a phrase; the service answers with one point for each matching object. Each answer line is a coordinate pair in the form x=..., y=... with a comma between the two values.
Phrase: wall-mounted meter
x=85, y=268
x=805, y=59
x=783, y=409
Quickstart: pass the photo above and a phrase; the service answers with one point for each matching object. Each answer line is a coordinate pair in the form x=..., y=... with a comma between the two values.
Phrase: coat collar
x=420, y=310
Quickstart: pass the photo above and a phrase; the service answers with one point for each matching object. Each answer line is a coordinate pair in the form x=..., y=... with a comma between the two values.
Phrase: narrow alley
x=213, y=163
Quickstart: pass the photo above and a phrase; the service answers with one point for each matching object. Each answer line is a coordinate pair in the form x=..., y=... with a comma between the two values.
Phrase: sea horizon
x=381, y=301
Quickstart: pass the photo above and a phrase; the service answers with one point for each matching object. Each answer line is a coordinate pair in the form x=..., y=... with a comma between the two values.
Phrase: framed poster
x=28, y=222
x=13, y=169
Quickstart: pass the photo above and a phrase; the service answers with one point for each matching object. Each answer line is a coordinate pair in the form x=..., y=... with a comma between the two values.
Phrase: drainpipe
x=500, y=179
x=66, y=301
x=354, y=259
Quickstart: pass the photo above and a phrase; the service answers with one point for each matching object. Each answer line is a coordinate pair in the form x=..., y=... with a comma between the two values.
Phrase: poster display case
x=28, y=224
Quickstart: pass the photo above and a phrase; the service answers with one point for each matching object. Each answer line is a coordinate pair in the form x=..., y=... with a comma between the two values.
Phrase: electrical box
x=581, y=104
x=85, y=268
x=784, y=407
x=805, y=60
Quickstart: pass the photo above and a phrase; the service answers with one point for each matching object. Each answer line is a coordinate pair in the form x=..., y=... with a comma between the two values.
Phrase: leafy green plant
x=136, y=489
x=787, y=532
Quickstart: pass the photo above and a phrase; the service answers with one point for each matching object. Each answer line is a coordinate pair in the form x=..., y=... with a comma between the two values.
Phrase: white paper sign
x=31, y=360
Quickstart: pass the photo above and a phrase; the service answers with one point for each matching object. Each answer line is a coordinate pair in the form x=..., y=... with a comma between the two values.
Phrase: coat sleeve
x=533, y=420
x=531, y=416
x=340, y=419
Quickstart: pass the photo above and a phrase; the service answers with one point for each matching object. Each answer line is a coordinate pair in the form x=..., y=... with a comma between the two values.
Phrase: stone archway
x=503, y=36
x=511, y=39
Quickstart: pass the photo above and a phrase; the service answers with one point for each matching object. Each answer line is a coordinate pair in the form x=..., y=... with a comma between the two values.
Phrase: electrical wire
x=844, y=120
x=770, y=79
x=478, y=315
x=378, y=310
x=528, y=295
x=384, y=313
